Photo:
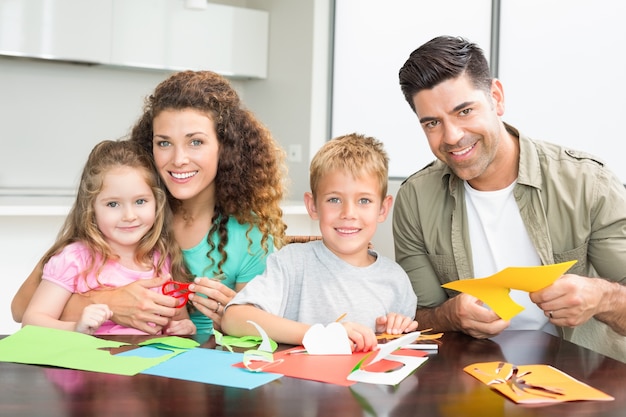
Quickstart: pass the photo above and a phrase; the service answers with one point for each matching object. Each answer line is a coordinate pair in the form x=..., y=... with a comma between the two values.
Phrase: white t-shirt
x=499, y=240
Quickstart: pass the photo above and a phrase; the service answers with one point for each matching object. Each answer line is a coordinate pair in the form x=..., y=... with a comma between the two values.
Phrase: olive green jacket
x=572, y=205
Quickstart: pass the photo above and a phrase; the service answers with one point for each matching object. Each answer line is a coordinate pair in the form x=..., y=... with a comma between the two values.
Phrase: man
x=495, y=198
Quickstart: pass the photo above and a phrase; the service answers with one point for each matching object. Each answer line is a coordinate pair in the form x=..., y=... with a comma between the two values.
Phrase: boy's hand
x=394, y=323
x=92, y=318
x=363, y=338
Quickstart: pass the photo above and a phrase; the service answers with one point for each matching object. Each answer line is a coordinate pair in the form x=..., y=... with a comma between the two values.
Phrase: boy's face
x=348, y=210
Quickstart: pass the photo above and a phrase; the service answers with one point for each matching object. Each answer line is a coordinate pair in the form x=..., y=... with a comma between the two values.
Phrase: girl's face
x=125, y=209
x=349, y=210
x=186, y=152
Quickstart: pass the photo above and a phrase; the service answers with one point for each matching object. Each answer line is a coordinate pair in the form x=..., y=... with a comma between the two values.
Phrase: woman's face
x=186, y=151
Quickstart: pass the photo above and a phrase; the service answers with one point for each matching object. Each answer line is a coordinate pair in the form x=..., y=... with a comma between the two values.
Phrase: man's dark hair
x=441, y=59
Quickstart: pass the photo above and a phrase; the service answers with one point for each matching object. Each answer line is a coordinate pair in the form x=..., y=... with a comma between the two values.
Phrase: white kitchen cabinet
x=69, y=30
x=229, y=40
x=156, y=34
x=165, y=34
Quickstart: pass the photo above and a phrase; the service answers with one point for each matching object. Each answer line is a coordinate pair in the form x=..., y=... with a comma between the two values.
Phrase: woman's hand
x=136, y=305
x=217, y=296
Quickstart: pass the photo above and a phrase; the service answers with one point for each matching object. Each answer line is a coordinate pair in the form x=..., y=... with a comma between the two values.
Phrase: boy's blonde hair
x=354, y=153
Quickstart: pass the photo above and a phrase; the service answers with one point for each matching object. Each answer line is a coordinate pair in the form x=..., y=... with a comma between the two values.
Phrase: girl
x=117, y=232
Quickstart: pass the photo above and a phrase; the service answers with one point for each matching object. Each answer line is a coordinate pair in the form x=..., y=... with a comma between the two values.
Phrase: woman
x=224, y=178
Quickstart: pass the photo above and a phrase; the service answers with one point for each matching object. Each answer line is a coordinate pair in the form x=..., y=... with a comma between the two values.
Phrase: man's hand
x=463, y=313
x=571, y=300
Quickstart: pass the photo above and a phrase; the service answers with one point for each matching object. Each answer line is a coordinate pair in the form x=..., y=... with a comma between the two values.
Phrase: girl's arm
x=46, y=306
x=133, y=305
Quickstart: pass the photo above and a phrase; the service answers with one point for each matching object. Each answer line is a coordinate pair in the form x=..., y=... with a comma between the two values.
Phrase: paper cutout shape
x=327, y=340
x=259, y=360
x=389, y=351
x=265, y=345
x=210, y=366
x=44, y=346
x=242, y=342
x=530, y=384
x=494, y=290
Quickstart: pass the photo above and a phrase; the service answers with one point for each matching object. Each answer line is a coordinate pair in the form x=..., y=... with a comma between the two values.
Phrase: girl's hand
x=217, y=296
x=394, y=323
x=92, y=318
x=182, y=327
x=363, y=338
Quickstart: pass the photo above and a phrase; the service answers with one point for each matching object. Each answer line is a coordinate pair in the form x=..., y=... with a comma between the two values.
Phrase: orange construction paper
x=494, y=290
x=540, y=375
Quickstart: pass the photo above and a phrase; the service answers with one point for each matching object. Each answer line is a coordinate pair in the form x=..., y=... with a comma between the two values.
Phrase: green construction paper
x=44, y=346
x=171, y=343
x=242, y=342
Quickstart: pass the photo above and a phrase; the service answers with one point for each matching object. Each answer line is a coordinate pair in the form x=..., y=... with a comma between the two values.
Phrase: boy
x=316, y=282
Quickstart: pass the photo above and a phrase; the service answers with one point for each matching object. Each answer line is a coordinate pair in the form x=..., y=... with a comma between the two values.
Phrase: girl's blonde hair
x=80, y=224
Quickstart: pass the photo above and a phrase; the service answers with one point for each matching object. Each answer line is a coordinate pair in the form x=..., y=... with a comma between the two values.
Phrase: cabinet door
x=164, y=34
x=73, y=30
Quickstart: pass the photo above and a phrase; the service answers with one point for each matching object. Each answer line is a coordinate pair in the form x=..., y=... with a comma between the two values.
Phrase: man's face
x=463, y=127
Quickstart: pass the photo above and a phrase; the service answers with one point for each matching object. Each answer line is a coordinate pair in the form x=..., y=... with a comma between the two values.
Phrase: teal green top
x=243, y=262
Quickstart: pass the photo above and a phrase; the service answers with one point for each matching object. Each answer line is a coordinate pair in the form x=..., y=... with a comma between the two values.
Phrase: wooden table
x=438, y=388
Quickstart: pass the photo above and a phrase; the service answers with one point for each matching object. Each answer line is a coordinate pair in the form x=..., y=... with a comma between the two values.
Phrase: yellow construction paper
x=494, y=290
x=546, y=376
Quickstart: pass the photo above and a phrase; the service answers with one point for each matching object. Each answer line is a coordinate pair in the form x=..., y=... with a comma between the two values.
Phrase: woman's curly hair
x=249, y=182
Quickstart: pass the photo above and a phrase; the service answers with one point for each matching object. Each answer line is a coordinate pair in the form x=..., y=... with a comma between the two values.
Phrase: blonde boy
x=316, y=282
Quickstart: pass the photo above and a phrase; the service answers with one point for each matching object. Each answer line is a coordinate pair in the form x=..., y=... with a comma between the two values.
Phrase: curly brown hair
x=80, y=224
x=251, y=167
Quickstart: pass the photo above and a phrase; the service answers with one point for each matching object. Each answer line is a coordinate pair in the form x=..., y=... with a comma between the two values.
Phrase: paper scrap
x=539, y=383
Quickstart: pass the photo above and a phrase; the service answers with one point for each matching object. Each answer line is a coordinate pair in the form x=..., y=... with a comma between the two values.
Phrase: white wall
x=563, y=73
x=561, y=64
x=373, y=39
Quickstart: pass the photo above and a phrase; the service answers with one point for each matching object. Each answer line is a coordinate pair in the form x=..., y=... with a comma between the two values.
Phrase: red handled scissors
x=178, y=290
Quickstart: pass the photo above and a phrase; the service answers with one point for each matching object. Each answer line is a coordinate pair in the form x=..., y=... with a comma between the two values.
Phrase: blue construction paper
x=208, y=366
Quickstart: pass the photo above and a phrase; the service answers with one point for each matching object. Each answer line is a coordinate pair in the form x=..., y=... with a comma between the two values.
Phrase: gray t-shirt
x=306, y=282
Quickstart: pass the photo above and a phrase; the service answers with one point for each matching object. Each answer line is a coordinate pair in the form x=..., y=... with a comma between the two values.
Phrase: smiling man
x=495, y=198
